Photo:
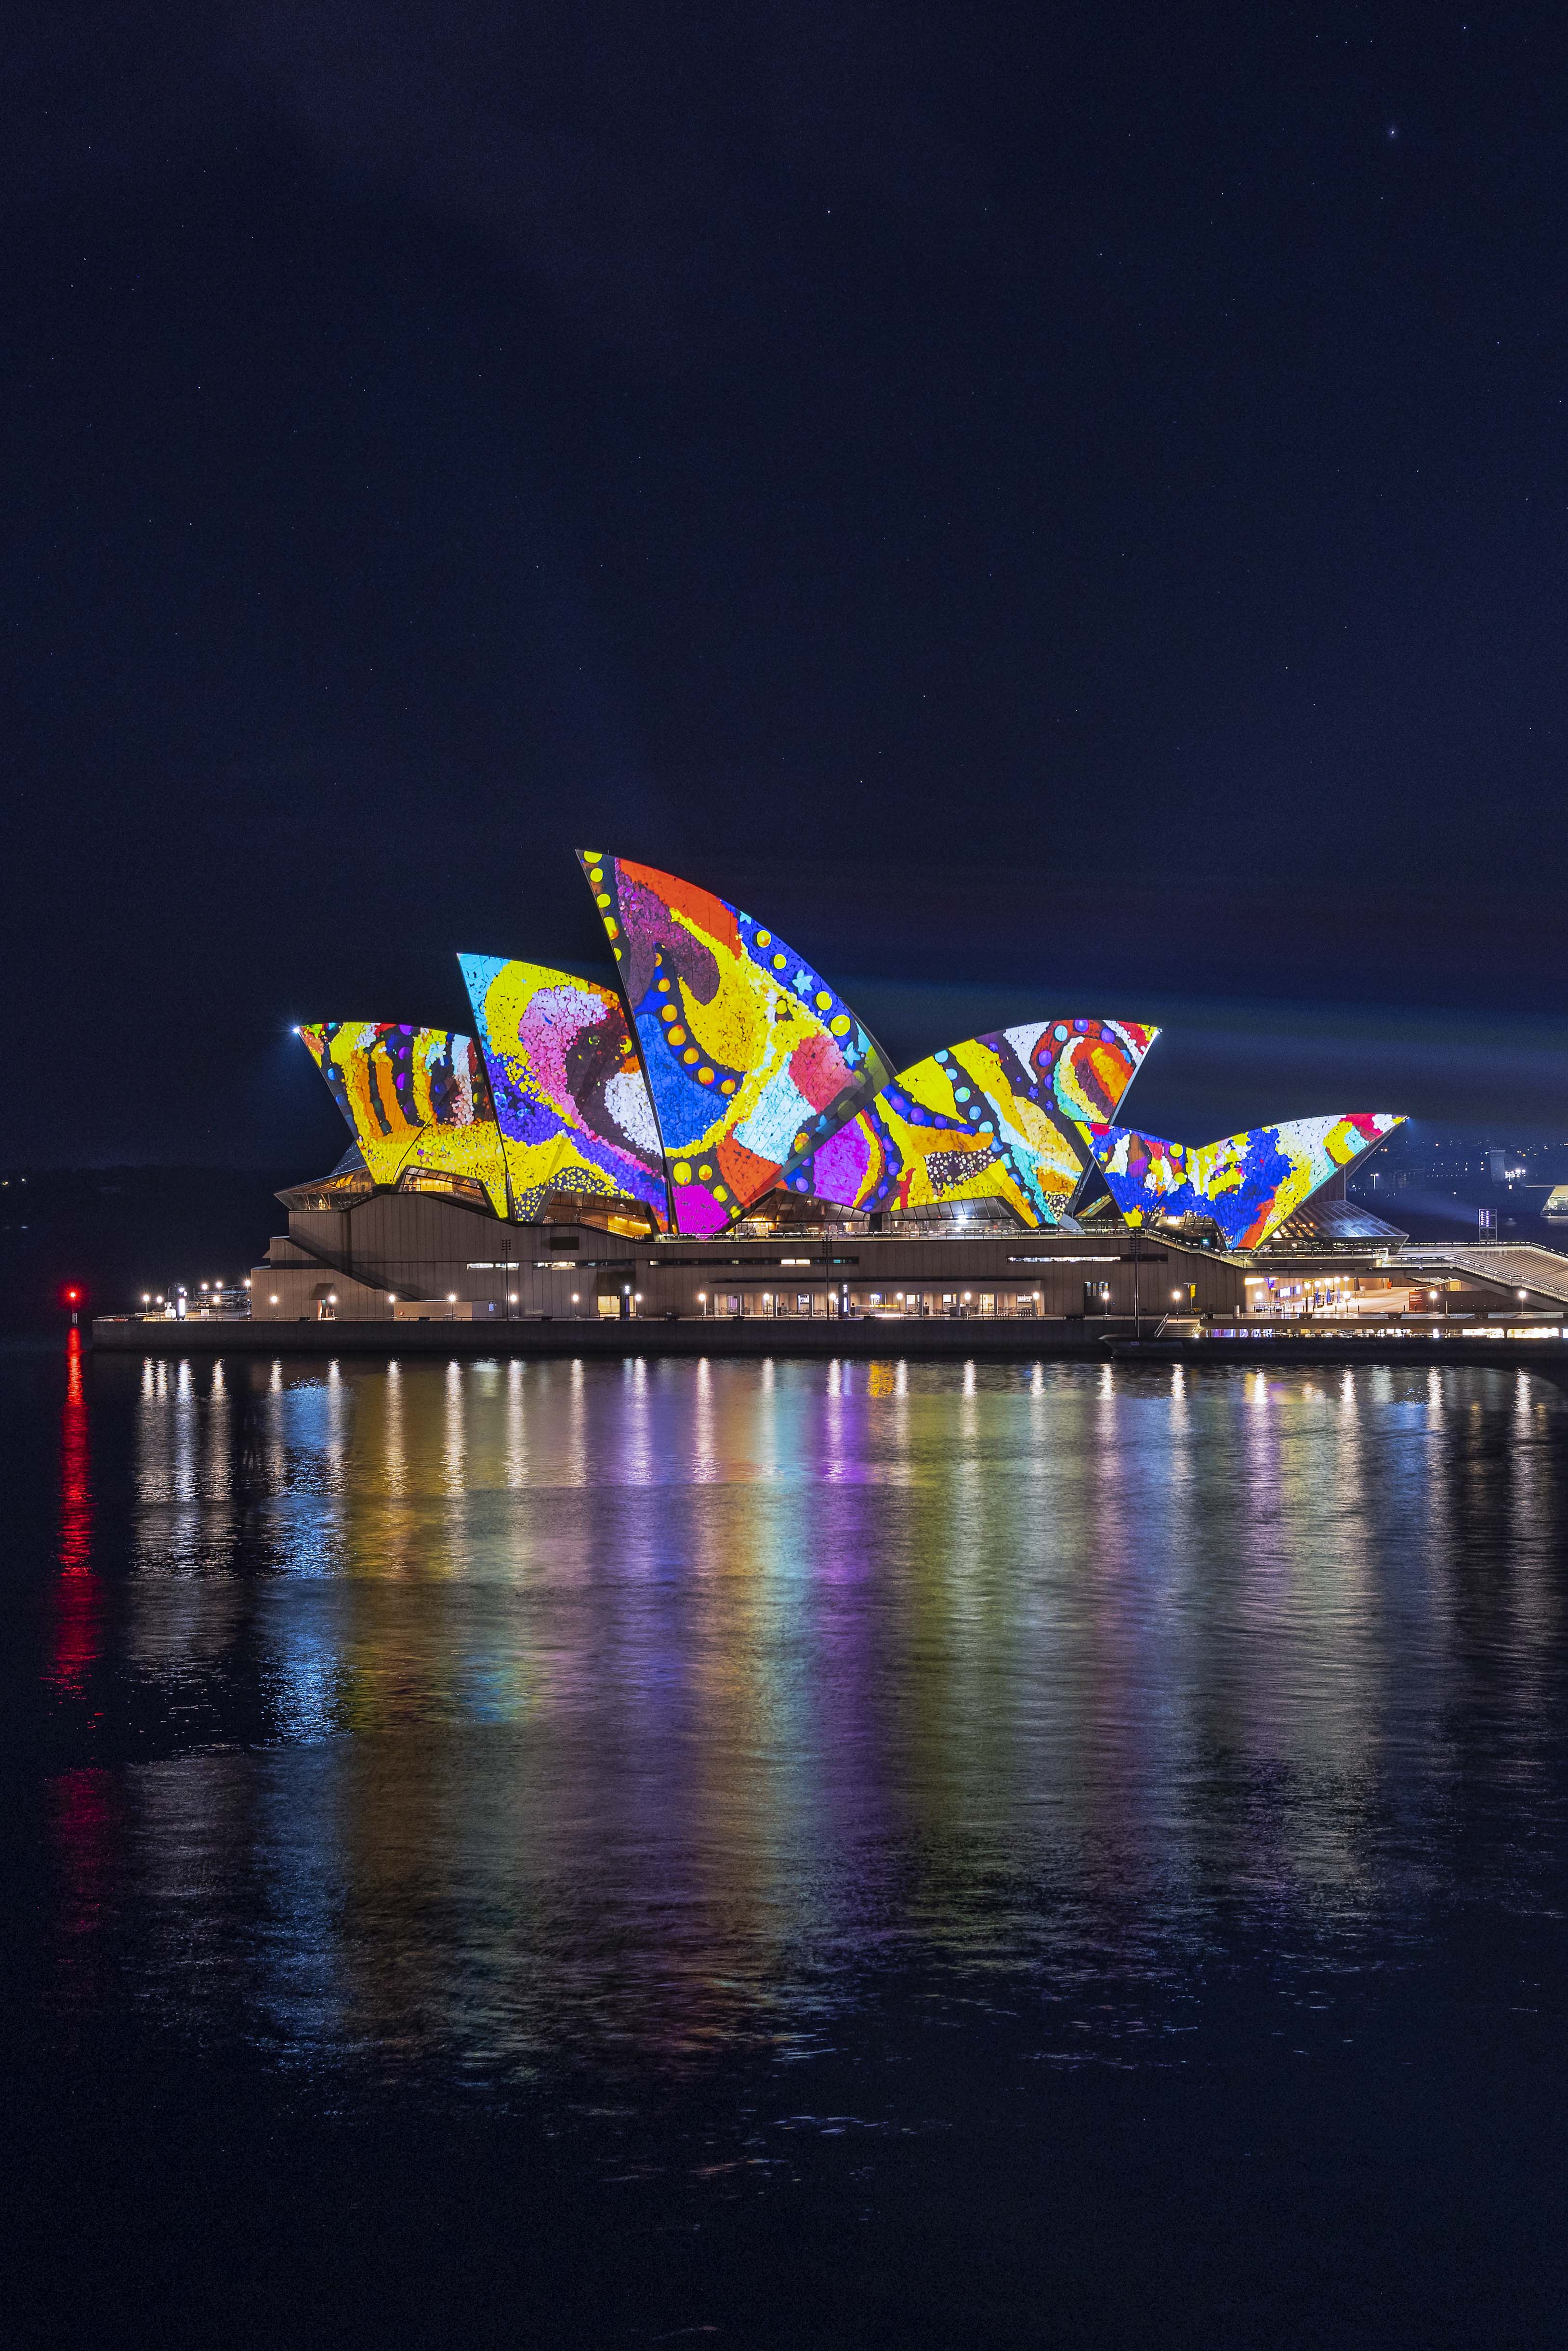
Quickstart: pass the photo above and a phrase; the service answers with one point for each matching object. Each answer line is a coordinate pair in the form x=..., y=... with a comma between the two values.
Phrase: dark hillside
x=116, y=1231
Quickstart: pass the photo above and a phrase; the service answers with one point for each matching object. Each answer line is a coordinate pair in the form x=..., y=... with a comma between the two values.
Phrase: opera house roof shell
x=723, y=1072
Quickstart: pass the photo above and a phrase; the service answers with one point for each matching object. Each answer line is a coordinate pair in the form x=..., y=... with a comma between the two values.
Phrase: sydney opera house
x=719, y=1134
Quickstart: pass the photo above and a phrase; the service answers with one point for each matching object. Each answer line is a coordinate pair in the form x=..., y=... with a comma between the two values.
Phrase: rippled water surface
x=814, y=1853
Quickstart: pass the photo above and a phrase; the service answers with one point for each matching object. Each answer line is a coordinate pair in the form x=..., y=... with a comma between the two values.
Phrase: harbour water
x=786, y=1853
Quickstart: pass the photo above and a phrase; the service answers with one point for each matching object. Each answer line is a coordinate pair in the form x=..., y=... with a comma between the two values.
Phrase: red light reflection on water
x=84, y=1829
x=78, y=1603
x=75, y=1500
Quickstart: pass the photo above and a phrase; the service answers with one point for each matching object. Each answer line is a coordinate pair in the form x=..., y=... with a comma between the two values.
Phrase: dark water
x=785, y=1854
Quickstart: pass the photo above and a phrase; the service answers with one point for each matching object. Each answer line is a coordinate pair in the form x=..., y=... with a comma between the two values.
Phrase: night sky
x=1053, y=507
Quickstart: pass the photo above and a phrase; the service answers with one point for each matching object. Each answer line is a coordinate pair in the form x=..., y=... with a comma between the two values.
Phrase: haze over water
x=870, y=1850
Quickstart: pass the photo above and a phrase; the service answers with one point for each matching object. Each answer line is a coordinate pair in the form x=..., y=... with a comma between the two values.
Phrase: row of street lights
x=178, y=1299
x=209, y=1292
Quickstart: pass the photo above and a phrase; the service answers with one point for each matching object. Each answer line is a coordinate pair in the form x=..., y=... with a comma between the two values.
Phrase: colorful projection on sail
x=752, y=1059
x=570, y=1099
x=996, y=1118
x=1247, y=1183
x=415, y=1097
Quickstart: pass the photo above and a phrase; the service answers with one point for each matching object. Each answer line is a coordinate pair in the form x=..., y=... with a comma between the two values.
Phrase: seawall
x=976, y=1341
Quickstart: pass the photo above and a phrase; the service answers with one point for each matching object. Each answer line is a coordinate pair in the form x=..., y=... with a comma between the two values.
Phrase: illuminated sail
x=995, y=1118
x=1247, y=1183
x=752, y=1059
x=570, y=1099
x=415, y=1099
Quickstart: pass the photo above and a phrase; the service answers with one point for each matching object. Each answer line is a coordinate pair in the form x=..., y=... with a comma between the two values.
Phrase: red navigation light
x=73, y=1297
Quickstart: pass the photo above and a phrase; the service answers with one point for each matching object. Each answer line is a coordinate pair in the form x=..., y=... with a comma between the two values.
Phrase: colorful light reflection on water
x=481, y=1718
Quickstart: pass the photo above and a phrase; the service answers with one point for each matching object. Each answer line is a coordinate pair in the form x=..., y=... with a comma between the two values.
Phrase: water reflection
x=488, y=1713
x=78, y=1595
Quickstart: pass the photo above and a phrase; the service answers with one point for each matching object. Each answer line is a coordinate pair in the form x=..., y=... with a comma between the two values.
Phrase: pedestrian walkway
x=1514, y=1265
